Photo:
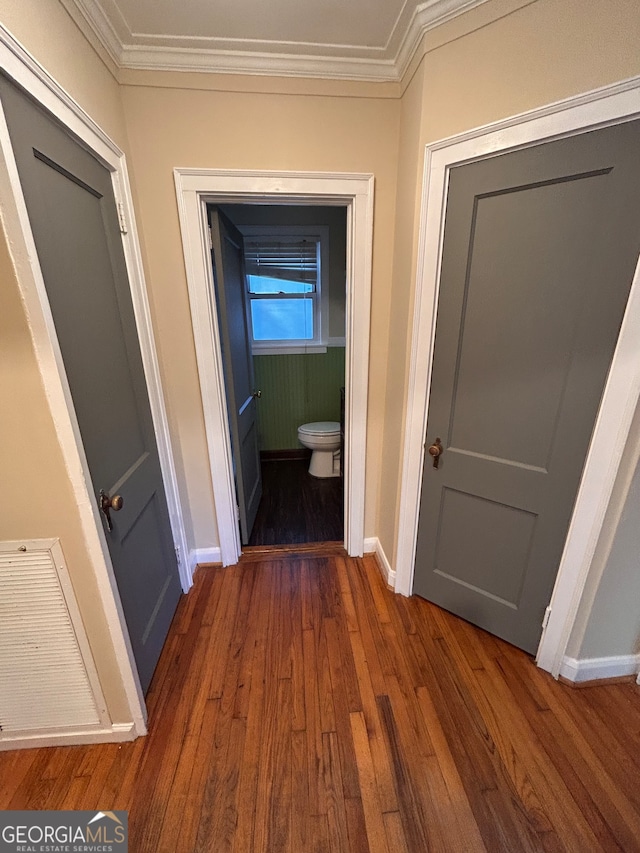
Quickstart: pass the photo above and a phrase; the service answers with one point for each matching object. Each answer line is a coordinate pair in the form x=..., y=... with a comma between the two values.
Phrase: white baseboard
x=594, y=669
x=203, y=555
x=117, y=733
x=373, y=546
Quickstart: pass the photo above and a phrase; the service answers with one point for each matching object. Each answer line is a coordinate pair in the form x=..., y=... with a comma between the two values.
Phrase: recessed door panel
x=498, y=537
x=520, y=318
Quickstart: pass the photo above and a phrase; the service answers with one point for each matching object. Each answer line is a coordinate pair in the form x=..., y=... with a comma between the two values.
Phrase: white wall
x=608, y=622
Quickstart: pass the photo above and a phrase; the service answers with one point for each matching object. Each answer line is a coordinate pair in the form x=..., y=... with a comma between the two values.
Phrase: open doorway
x=284, y=268
x=197, y=188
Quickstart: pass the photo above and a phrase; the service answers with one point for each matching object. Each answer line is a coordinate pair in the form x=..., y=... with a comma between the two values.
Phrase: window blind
x=294, y=260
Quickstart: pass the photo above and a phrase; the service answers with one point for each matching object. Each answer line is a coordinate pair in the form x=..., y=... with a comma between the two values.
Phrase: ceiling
x=344, y=39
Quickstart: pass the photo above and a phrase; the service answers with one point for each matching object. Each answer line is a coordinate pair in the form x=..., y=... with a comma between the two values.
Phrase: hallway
x=301, y=706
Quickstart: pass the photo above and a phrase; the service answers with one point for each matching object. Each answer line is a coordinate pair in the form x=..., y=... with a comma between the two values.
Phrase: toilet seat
x=320, y=428
x=323, y=439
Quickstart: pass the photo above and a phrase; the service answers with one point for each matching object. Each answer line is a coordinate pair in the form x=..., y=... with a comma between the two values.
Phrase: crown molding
x=261, y=64
x=134, y=51
x=427, y=16
x=90, y=17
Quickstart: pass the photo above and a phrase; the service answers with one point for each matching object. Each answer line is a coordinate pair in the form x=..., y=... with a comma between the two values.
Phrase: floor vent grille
x=47, y=675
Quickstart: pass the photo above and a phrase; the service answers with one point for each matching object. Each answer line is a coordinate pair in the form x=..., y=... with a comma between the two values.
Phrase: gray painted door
x=231, y=298
x=540, y=247
x=74, y=220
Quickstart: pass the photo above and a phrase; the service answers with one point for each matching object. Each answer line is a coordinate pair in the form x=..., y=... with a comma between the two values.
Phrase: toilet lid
x=320, y=428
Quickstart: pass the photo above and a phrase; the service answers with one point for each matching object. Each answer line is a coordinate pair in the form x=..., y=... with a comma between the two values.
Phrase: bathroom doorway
x=295, y=260
x=195, y=189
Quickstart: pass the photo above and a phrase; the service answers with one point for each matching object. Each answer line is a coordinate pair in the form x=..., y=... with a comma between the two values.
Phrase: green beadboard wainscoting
x=296, y=389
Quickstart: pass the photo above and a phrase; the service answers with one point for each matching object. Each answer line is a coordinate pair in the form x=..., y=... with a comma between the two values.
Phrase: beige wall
x=45, y=29
x=537, y=54
x=404, y=275
x=37, y=499
x=170, y=127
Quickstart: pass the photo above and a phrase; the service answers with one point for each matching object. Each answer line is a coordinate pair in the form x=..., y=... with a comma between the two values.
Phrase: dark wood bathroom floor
x=297, y=507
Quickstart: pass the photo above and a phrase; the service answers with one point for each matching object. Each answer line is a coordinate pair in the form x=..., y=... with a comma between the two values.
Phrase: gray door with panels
x=540, y=248
x=72, y=211
x=227, y=256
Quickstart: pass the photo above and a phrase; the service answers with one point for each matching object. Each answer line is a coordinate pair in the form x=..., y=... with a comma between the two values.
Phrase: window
x=285, y=269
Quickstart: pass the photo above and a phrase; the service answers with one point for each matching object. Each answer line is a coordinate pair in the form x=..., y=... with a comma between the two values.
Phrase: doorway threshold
x=259, y=553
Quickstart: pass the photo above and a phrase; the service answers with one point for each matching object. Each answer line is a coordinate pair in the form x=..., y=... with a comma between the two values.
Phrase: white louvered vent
x=47, y=675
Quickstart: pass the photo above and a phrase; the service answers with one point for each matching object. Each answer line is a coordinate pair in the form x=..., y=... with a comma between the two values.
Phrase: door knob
x=435, y=450
x=257, y=394
x=107, y=504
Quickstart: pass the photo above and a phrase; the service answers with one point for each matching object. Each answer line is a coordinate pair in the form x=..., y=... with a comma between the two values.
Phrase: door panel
x=73, y=217
x=235, y=340
x=540, y=247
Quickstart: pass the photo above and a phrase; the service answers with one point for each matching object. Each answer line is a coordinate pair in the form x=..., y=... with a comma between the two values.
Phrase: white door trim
x=590, y=111
x=196, y=187
x=26, y=71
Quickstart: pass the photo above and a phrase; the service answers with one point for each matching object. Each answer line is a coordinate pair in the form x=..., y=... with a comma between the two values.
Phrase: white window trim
x=319, y=342
x=599, y=108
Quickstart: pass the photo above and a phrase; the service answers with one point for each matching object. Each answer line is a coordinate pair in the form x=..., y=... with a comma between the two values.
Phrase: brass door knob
x=435, y=450
x=107, y=504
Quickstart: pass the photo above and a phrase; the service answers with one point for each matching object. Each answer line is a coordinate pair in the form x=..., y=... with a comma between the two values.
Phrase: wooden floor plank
x=344, y=688
x=356, y=826
x=370, y=713
x=334, y=793
x=374, y=823
x=395, y=833
x=249, y=761
x=471, y=839
x=300, y=812
x=14, y=767
x=299, y=705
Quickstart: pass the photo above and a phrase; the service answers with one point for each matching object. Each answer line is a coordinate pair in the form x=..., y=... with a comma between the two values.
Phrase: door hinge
x=210, y=240
x=122, y=219
x=178, y=556
x=238, y=513
x=545, y=618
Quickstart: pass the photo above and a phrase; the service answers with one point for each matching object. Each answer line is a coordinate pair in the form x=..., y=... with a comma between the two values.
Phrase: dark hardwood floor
x=297, y=507
x=301, y=707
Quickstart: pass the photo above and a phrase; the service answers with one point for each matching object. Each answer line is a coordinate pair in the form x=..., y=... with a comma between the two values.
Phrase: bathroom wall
x=297, y=389
x=305, y=387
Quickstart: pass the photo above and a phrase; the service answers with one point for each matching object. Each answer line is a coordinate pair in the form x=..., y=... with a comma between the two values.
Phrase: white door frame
x=602, y=107
x=194, y=189
x=26, y=71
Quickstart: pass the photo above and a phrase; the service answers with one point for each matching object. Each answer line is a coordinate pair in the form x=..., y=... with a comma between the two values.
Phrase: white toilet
x=323, y=438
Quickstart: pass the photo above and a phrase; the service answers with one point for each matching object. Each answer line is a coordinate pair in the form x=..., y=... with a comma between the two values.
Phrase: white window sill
x=285, y=349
